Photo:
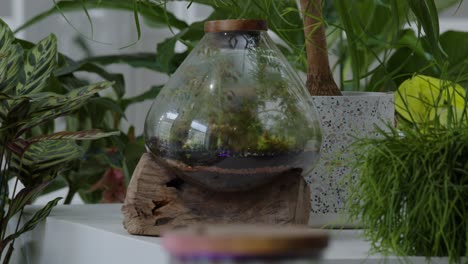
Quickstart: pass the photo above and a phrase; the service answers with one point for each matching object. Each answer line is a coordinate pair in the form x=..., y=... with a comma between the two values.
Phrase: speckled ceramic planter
x=342, y=117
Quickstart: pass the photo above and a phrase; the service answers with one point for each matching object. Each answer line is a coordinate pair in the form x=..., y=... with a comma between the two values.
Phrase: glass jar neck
x=235, y=39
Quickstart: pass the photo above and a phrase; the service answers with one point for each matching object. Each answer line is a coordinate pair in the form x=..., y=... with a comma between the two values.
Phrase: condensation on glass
x=235, y=114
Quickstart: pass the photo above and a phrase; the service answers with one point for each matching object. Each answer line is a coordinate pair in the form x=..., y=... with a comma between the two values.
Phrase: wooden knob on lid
x=235, y=25
x=255, y=241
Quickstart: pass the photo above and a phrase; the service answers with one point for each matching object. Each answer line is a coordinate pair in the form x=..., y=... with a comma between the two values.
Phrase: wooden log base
x=158, y=200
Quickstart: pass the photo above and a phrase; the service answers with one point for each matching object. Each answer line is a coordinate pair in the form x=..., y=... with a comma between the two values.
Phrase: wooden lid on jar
x=245, y=241
x=235, y=25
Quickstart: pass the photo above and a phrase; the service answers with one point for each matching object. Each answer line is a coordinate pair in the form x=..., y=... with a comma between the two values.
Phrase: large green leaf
x=150, y=11
x=370, y=28
x=455, y=45
x=411, y=57
x=40, y=62
x=426, y=13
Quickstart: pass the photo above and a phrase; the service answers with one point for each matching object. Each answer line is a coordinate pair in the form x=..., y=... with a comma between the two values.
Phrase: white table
x=82, y=234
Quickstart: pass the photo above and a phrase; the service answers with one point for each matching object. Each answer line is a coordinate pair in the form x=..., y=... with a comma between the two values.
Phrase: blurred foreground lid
x=245, y=241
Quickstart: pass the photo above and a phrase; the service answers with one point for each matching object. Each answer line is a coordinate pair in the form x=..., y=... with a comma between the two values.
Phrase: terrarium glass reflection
x=234, y=115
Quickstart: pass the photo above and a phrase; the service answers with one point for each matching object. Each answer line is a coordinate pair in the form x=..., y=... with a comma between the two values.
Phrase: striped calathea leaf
x=30, y=111
x=20, y=146
x=11, y=59
x=42, y=160
x=40, y=62
x=26, y=107
x=11, y=66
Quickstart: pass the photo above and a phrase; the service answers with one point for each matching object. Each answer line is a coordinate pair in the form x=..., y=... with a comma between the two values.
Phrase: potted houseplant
x=357, y=114
x=30, y=153
x=342, y=116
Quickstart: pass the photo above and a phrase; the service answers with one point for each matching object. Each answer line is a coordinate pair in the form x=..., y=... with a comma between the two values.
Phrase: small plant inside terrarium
x=234, y=115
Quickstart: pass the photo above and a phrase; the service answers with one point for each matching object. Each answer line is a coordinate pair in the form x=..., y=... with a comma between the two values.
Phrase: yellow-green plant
x=428, y=101
x=24, y=106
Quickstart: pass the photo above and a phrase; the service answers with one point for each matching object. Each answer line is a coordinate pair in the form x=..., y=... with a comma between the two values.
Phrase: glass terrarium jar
x=235, y=114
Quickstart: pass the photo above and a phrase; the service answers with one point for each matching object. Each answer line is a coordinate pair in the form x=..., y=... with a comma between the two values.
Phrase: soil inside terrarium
x=226, y=171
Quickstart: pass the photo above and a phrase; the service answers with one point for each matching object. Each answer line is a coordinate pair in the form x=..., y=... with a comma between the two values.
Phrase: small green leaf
x=455, y=44
x=24, y=197
x=31, y=223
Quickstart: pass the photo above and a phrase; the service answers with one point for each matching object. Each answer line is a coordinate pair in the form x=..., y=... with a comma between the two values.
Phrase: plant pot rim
x=359, y=94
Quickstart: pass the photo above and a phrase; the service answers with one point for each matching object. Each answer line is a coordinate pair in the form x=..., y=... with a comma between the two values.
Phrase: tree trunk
x=319, y=76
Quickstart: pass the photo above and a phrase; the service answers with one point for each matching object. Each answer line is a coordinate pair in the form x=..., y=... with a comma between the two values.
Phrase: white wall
x=12, y=12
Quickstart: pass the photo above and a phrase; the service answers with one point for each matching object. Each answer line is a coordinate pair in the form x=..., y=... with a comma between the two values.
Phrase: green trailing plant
x=25, y=109
x=411, y=193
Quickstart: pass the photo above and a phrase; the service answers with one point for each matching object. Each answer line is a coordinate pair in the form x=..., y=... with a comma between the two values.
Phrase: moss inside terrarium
x=236, y=125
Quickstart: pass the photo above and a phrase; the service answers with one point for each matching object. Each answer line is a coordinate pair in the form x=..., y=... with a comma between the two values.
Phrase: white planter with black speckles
x=342, y=117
